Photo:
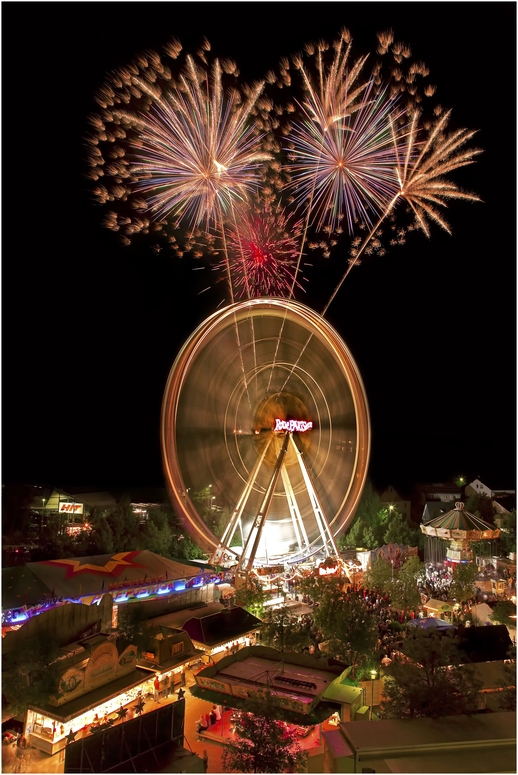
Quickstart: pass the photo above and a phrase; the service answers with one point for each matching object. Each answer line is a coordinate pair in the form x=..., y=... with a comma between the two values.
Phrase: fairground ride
x=266, y=403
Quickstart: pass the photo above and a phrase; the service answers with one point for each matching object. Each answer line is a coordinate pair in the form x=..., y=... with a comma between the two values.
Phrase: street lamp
x=373, y=676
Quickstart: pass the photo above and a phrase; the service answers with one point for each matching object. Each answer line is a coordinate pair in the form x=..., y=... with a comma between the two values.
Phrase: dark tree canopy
x=429, y=680
x=264, y=744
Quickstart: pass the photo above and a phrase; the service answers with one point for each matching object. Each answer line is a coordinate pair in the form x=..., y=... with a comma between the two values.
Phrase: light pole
x=373, y=676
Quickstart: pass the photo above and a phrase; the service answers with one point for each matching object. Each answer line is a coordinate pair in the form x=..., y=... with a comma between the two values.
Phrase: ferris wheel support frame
x=246, y=561
x=235, y=519
x=258, y=524
x=328, y=541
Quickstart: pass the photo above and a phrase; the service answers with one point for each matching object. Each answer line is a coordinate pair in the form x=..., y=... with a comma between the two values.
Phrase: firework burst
x=346, y=169
x=341, y=151
x=168, y=152
x=263, y=249
x=422, y=165
x=197, y=153
x=211, y=167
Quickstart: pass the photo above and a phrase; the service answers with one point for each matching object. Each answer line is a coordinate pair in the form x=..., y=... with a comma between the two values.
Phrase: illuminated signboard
x=293, y=425
x=326, y=571
x=71, y=508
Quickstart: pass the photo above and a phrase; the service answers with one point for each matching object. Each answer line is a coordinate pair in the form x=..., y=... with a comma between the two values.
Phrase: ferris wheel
x=266, y=405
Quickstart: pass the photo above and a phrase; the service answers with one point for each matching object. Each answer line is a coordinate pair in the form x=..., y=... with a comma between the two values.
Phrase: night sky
x=91, y=329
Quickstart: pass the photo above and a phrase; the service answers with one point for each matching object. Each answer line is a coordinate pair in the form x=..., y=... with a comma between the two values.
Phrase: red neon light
x=293, y=425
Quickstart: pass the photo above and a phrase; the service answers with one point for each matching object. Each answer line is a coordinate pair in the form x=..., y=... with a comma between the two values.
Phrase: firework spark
x=263, y=249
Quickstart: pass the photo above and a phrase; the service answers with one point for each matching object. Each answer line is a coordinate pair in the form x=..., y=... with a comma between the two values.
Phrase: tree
x=155, y=533
x=481, y=506
x=344, y=620
x=403, y=590
x=508, y=533
x=504, y=612
x=399, y=532
x=369, y=520
x=264, y=743
x=133, y=626
x=251, y=596
x=430, y=681
x=281, y=630
x=379, y=575
x=461, y=588
x=29, y=672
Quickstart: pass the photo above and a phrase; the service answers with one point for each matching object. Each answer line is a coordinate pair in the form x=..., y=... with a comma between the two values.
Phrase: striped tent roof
x=460, y=524
x=25, y=584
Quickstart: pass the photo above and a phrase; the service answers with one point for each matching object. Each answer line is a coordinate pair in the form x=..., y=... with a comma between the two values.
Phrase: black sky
x=91, y=329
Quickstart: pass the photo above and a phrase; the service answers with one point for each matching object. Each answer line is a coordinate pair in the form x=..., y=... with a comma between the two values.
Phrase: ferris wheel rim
x=299, y=314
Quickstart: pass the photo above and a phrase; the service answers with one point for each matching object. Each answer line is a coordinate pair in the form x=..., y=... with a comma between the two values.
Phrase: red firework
x=263, y=250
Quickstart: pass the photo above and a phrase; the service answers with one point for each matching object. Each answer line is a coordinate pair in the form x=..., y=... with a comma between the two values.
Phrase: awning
x=320, y=713
x=77, y=707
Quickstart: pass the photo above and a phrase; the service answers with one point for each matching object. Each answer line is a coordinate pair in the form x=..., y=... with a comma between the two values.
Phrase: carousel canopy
x=460, y=525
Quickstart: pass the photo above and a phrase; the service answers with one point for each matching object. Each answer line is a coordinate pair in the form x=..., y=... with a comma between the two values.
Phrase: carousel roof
x=460, y=524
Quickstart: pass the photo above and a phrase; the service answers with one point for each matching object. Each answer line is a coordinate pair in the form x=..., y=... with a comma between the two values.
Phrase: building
x=390, y=497
x=213, y=628
x=72, y=509
x=482, y=743
x=307, y=690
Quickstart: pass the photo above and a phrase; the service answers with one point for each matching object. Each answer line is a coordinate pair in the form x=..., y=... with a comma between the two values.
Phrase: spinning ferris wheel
x=266, y=403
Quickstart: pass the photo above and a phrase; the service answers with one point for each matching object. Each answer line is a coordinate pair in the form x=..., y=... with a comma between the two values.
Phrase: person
x=201, y=726
x=166, y=685
x=181, y=693
x=206, y=720
x=217, y=711
x=213, y=715
x=182, y=677
x=156, y=684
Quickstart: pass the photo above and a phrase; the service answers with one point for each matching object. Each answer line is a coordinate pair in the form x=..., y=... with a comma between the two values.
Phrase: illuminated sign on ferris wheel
x=292, y=425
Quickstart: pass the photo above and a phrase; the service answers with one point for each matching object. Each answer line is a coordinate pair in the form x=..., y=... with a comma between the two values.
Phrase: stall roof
x=394, y=734
x=485, y=644
x=221, y=627
x=88, y=701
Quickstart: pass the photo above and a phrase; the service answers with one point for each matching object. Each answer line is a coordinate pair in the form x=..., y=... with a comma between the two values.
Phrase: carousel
x=460, y=529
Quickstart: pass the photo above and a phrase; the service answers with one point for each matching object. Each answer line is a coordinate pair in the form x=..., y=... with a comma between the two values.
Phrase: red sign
x=293, y=425
x=71, y=508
